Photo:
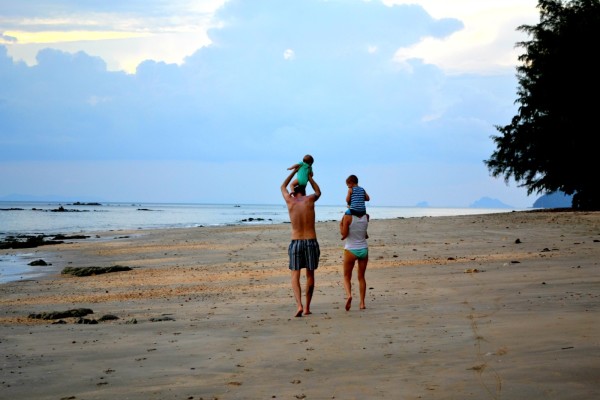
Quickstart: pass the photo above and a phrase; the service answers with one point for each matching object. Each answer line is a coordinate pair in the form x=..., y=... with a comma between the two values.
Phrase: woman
x=354, y=231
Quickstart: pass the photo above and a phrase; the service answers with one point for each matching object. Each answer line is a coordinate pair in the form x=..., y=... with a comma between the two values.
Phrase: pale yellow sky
x=55, y=37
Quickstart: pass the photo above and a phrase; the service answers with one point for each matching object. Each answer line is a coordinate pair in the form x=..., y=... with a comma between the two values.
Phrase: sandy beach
x=498, y=306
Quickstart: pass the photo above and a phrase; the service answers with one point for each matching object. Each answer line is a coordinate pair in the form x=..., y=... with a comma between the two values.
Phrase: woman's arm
x=345, y=226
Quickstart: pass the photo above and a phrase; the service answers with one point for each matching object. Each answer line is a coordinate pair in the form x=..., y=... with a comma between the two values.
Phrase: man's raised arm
x=315, y=187
x=285, y=184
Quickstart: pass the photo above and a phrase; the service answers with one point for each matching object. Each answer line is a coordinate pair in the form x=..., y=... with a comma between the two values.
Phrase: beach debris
x=160, y=319
x=89, y=271
x=87, y=321
x=515, y=262
x=108, y=317
x=38, y=263
x=518, y=241
x=472, y=270
x=77, y=312
x=478, y=368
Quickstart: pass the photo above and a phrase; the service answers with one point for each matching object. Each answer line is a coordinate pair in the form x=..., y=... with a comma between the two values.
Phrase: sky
x=210, y=101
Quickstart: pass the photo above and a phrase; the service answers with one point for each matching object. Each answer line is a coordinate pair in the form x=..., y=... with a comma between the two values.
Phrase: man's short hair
x=300, y=189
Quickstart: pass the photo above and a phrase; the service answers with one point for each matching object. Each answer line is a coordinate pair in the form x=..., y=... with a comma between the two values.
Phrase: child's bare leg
x=293, y=184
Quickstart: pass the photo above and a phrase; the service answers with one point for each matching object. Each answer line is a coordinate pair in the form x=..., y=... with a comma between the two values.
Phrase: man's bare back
x=302, y=217
x=301, y=209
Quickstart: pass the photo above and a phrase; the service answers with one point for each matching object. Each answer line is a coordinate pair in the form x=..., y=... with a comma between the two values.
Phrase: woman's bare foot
x=362, y=306
x=348, y=303
x=299, y=312
x=307, y=312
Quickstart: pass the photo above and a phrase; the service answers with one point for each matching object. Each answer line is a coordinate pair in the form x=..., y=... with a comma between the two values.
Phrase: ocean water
x=30, y=218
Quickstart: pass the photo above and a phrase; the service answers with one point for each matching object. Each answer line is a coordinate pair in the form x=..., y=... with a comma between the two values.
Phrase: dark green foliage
x=551, y=144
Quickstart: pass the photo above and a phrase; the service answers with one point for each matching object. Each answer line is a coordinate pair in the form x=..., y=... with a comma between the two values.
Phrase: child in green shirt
x=304, y=169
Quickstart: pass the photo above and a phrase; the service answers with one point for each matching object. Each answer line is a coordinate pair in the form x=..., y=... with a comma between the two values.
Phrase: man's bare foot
x=307, y=312
x=299, y=312
x=348, y=303
x=362, y=307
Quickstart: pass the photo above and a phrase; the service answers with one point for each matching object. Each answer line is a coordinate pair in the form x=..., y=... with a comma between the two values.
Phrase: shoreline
x=498, y=305
x=20, y=255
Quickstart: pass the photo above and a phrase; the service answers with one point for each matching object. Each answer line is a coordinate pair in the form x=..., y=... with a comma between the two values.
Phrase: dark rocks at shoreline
x=38, y=263
x=89, y=321
x=62, y=209
x=59, y=209
x=78, y=203
x=74, y=313
x=86, y=321
x=108, y=317
x=69, y=237
x=78, y=313
x=90, y=271
x=29, y=241
x=251, y=219
x=12, y=209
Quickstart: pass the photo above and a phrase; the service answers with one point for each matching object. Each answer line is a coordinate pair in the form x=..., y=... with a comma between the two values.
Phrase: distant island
x=487, y=202
x=556, y=199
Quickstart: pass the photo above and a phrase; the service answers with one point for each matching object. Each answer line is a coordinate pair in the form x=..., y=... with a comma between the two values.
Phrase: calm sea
x=28, y=218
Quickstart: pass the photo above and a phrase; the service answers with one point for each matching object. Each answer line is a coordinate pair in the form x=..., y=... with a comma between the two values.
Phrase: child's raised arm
x=295, y=166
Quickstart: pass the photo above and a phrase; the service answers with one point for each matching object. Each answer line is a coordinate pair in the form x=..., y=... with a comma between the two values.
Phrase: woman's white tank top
x=357, y=233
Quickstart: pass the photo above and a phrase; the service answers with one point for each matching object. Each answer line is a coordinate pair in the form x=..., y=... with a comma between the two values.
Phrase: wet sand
x=499, y=306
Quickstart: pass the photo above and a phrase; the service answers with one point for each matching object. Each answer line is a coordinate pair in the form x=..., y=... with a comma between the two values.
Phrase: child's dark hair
x=352, y=179
x=308, y=159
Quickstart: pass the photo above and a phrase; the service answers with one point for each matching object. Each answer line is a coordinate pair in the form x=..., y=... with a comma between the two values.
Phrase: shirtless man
x=304, y=249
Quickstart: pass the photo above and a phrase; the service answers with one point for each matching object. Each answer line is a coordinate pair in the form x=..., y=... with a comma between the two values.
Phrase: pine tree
x=551, y=144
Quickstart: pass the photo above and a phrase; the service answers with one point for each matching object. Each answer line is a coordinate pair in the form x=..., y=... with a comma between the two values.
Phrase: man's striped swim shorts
x=304, y=253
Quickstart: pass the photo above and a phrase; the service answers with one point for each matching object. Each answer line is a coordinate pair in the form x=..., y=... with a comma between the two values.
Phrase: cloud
x=239, y=101
x=289, y=54
x=486, y=42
